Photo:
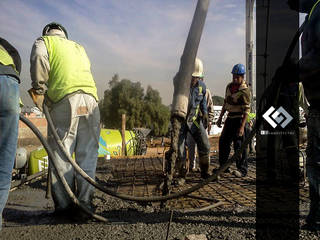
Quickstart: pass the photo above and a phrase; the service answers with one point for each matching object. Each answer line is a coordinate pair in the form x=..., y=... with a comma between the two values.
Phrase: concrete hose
x=143, y=199
x=60, y=175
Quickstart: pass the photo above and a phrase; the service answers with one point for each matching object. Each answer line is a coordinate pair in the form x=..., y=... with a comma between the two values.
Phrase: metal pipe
x=182, y=79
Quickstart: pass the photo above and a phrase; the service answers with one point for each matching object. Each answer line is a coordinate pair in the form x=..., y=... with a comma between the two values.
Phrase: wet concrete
x=28, y=215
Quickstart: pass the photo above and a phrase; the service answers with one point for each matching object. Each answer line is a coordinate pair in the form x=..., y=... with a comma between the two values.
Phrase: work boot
x=204, y=166
x=237, y=173
x=180, y=181
x=214, y=171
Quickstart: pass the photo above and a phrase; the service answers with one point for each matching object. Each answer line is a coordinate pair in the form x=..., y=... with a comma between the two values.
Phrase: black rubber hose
x=60, y=175
x=142, y=199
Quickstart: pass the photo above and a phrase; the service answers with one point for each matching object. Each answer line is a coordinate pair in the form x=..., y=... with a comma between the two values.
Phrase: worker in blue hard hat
x=237, y=104
x=10, y=68
x=60, y=69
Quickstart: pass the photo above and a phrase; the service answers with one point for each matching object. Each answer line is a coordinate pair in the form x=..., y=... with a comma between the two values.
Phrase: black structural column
x=277, y=139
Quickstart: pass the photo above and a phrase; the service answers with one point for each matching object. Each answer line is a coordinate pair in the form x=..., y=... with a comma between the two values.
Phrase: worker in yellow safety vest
x=10, y=67
x=60, y=71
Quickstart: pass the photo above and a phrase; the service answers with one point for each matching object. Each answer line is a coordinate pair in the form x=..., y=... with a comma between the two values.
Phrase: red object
x=234, y=88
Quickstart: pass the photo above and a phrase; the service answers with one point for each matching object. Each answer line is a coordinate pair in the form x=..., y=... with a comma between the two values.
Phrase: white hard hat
x=198, y=68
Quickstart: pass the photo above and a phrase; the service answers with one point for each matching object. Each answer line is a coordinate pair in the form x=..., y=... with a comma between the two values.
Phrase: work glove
x=205, y=120
x=36, y=98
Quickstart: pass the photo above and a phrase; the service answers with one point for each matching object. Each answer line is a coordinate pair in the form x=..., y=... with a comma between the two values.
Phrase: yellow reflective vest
x=69, y=69
x=6, y=59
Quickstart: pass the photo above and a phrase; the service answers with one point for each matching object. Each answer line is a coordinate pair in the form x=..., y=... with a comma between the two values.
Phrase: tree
x=142, y=110
x=217, y=100
x=156, y=115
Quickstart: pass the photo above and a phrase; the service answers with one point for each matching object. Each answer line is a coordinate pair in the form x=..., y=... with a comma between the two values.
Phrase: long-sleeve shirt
x=209, y=105
x=197, y=102
x=310, y=61
x=237, y=103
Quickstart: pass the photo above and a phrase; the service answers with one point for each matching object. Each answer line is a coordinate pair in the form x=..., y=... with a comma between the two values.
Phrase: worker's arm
x=210, y=106
x=39, y=71
x=223, y=110
x=309, y=63
x=243, y=124
x=246, y=110
x=39, y=67
x=204, y=109
x=203, y=103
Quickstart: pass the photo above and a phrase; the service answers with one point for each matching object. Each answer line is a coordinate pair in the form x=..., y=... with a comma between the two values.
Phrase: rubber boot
x=204, y=166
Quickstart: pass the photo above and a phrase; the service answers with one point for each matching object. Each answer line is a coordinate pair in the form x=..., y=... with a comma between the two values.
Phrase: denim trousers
x=77, y=122
x=313, y=164
x=9, y=119
x=200, y=137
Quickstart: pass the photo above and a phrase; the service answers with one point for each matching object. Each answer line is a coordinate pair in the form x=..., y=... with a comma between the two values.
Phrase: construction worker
x=191, y=144
x=60, y=69
x=237, y=103
x=248, y=128
x=309, y=74
x=196, y=123
x=10, y=67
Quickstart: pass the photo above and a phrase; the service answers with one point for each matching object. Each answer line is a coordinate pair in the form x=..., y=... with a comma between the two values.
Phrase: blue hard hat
x=239, y=69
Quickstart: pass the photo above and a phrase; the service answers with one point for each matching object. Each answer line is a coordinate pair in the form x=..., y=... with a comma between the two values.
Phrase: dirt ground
x=28, y=215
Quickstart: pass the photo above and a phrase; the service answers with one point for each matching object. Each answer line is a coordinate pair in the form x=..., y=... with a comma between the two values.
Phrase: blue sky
x=141, y=40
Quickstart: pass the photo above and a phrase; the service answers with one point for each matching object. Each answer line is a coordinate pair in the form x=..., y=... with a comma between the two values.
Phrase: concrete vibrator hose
x=213, y=177
x=60, y=175
x=133, y=198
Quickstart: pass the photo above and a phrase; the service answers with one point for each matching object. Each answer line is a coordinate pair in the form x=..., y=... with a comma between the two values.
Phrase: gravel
x=28, y=216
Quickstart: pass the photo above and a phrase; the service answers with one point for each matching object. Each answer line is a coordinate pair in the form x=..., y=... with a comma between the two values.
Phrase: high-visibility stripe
x=314, y=6
x=194, y=118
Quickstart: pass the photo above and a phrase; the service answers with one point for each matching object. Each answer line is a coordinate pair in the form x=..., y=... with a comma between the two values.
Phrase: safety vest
x=6, y=59
x=194, y=118
x=69, y=69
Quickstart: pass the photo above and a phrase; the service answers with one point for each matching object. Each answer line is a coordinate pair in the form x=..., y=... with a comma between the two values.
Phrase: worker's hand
x=205, y=120
x=241, y=131
x=219, y=122
x=36, y=98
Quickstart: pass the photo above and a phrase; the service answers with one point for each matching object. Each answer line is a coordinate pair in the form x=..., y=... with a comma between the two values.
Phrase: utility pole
x=249, y=45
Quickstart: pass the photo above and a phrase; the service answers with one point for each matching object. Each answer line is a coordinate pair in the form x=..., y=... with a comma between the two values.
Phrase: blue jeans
x=199, y=134
x=9, y=118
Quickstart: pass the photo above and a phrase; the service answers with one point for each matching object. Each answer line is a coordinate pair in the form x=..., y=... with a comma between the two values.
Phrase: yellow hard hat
x=198, y=69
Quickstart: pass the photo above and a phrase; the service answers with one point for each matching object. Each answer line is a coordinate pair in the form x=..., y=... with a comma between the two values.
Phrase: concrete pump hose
x=142, y=199
x=53, y=161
